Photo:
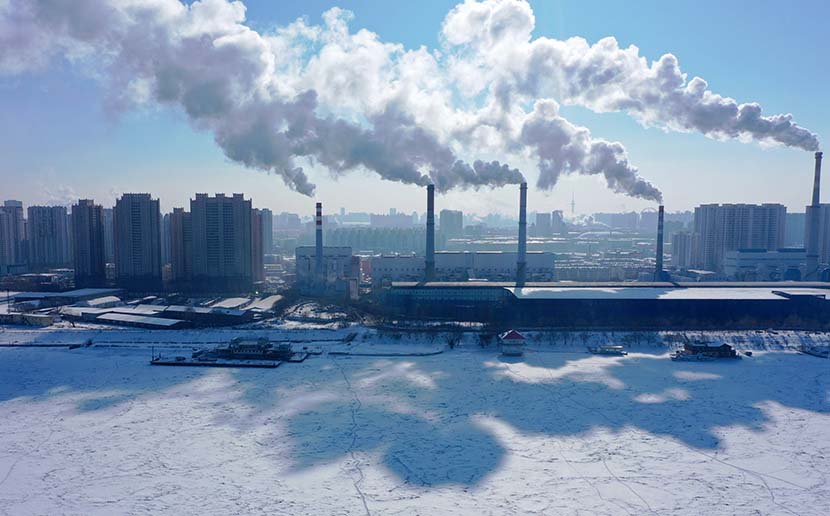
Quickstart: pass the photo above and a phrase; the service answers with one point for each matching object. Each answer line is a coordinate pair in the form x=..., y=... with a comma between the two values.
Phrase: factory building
x=763, y=265
x=462, y=266
x=656, y=305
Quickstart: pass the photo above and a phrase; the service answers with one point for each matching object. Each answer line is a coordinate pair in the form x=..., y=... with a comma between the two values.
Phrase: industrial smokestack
x=429, y=264
x=813, y=215
x=658, y=268
x=318, y=242
x=521, y=261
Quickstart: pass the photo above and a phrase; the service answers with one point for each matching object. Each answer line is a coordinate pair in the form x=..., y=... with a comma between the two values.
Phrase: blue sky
x=55, y=133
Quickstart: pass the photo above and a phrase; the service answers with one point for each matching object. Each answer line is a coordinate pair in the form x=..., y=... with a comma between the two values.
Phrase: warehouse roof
x=138, y=319
x=673, y=293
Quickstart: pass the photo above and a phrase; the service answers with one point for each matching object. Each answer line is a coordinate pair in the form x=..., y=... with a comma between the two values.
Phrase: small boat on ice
x=617, y=351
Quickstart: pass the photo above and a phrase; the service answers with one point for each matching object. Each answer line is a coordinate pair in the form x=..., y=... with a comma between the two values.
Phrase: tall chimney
x=429, y=264
x=658, y=268
x=813, y=216
x=521, y=261
x=318, y=242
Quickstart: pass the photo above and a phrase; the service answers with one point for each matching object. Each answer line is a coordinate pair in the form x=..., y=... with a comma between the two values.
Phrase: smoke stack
x=521, y=261
x=429, y=264
x=813, y=214
x=318, y=242
x=658, y=268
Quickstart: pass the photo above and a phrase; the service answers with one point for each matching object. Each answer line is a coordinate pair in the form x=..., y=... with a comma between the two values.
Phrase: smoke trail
x=223, y=75
x=347, y=100
x=565, y=148
x=494, y=37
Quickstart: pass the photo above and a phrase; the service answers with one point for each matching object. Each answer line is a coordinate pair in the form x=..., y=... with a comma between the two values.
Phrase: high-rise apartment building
x=12, y=235
x=166, y=242
x=682, y=250
x=48, y=237
x=257, y=254
x=88, y=244
x=181, y=247
x=109, y=236
x=221, y=243
x=823, y=214
x=268, y=231
x=730, y=227
x=137, y=223
x=451, y=223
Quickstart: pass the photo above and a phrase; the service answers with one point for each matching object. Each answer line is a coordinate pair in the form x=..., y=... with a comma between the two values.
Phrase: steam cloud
x=307, y=94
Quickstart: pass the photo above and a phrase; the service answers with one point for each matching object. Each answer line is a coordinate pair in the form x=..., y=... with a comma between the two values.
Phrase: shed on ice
x=512, y=343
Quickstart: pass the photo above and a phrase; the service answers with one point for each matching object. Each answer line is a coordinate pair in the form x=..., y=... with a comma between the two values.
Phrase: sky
x=60, y=140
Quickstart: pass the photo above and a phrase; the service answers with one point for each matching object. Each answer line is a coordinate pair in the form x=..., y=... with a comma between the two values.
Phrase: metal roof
x=138, y=319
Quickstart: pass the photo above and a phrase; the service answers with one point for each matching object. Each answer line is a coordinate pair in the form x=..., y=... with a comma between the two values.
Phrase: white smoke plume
x=321, y=94
x=494, y=36
x=225, y=77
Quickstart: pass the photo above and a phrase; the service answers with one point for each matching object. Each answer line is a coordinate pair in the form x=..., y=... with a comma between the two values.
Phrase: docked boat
x=704, y=351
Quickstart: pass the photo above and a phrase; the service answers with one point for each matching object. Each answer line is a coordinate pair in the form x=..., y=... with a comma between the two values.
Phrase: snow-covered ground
x=99, y=431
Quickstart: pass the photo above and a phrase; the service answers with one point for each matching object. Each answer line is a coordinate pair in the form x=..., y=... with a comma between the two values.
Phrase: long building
x=48, y=237
x=221, y=243
x=657, y=306
x=462, y=266
x=137, y=223
x=88, y=244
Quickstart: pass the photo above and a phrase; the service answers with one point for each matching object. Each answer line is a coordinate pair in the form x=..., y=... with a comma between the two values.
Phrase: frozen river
x=99, y=431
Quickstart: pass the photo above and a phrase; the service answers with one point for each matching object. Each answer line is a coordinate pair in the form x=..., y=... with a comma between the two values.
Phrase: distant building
x=627, y=221
x=268, y=230
x=729, y=227
x=451, y=223
x=823, y=234
x=166, y=241
x=392, y=220
x=109, y=236
x=181, y=248
x=48, y=237
x=462, y=266
x=763, y=265
x=682, y=250
x=794, y=230
x=12, y=236
x=221, y=243
x=544, y=225
x=257, y=254
x=137, y=222
x=287, y=220
x=88, y=244
x=558, y=225
x=341, y=270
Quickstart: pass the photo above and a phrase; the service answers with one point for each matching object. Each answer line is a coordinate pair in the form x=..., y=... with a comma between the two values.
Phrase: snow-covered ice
x=99, y=431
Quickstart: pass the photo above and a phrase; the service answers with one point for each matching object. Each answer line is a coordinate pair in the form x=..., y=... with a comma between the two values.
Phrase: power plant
x=658, y=304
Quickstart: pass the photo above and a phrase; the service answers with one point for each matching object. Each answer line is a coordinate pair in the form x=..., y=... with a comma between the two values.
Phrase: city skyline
x=91, y=152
